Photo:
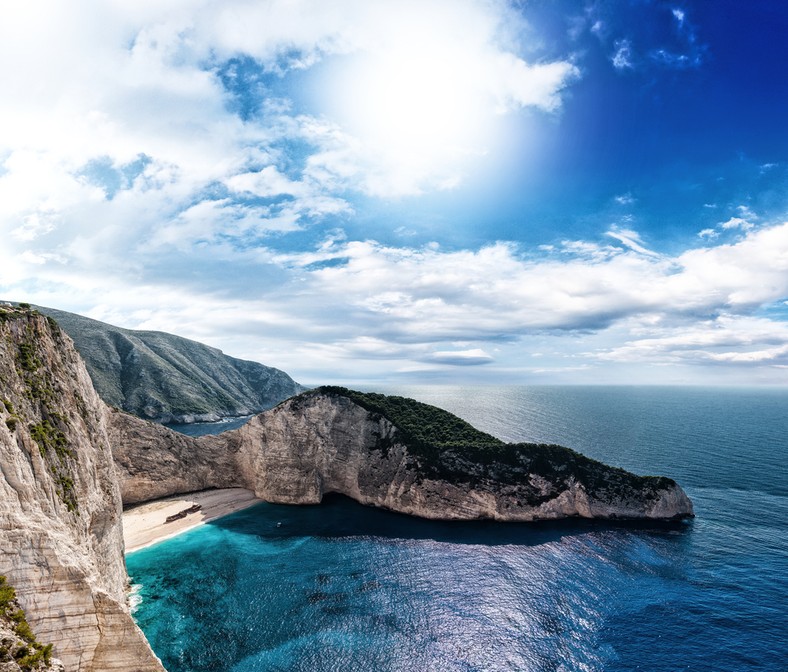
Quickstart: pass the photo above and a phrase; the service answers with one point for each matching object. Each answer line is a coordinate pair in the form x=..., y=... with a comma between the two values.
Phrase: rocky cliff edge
x=61, y=543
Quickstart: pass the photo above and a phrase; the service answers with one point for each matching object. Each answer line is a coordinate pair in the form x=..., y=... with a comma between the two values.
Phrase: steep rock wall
x=153, y=461
x=61, y=542
x=320, y=443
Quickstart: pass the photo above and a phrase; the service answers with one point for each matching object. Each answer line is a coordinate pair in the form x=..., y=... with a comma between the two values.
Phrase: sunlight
x=419, y=103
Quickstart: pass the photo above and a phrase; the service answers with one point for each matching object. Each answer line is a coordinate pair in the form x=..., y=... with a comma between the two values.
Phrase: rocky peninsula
x=70, y=463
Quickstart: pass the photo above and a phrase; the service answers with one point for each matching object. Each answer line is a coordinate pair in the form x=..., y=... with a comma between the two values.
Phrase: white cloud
x=632, y=240
x=265, y=183
x=726, y=339
x=708, y=233
x=129, y=79
x=471, y=357
x=406, y=308
x=518, y=84
x=746, y=212
x=736, y=223
x=622, y=58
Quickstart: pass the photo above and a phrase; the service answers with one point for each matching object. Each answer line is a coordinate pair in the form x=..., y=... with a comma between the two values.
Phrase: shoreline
x=145, y=524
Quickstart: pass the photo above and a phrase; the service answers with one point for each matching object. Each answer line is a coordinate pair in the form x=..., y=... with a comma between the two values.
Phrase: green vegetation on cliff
x=425, y=429
x=41, y=395
x=446, y=447
x=24, y=649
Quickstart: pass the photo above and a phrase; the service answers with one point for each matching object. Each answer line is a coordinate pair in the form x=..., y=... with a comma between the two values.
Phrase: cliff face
x=61, y=542
x=168, y=378
x=325, y=442
x=153, y=461
x=322, y=442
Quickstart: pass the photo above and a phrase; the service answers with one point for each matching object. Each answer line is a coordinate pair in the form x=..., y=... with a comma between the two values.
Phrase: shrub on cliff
x=28, y=653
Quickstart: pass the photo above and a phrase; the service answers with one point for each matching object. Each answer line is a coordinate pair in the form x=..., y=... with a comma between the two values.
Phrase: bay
x=343, y=587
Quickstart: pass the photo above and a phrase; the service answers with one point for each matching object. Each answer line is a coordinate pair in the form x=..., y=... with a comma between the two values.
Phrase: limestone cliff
x=332, y=440
x=20, y=651
x=61, y=543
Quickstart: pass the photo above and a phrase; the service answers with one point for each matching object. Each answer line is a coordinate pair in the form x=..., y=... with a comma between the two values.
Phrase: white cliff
x=61, y=543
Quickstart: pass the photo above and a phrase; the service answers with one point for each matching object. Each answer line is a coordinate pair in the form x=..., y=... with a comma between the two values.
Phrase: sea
x=340, y=587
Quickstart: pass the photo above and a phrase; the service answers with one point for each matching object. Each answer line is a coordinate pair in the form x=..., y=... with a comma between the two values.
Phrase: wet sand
x=145, y=524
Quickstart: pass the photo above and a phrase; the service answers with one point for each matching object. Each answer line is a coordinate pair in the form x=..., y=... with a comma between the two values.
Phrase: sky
x=409, y=191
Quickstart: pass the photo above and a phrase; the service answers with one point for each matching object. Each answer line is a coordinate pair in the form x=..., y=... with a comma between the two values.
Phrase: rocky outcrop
x=61, y=543
x=324, y=441
x=153, y=461
x=167, y=378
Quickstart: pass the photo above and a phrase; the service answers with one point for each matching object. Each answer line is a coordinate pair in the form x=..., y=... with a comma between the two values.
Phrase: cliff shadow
x=341, y=517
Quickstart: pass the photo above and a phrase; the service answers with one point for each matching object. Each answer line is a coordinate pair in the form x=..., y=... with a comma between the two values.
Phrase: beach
x=146, y=524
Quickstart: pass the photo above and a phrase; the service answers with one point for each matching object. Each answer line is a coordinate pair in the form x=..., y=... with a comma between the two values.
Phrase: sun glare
x=418, y=104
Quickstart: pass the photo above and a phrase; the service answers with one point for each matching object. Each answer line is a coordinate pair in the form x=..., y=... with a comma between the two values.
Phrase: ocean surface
x=344, y=588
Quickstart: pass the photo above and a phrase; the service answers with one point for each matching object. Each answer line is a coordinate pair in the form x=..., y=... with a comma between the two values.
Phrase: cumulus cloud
x=736, y=223
x=725, y=339
x=139, y=102
x=518, y=84
x=364, y=308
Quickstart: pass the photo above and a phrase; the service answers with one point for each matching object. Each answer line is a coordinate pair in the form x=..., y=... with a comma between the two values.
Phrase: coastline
x=145, y=524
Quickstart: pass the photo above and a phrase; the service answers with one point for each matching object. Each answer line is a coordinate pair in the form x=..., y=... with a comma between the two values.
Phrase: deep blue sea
x=344, y=588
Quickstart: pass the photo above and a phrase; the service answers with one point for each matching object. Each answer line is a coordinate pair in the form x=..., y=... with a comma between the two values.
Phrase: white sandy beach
x=145, y=524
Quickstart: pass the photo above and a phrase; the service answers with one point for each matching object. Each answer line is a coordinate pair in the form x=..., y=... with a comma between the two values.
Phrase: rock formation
x=168, y=378
x=68, y=462
x=332, y=440
x=61, y=543
x=20, y=651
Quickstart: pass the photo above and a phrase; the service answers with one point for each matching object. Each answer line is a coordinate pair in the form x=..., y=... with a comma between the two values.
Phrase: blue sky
x=381, y=191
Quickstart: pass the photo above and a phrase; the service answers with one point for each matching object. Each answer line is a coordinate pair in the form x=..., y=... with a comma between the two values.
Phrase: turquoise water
x=341, y=587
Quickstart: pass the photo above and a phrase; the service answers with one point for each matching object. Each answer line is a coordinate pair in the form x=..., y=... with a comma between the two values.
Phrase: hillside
x=167, y=378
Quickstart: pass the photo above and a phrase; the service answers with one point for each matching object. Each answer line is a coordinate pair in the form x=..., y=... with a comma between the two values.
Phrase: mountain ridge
x=168, y=378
